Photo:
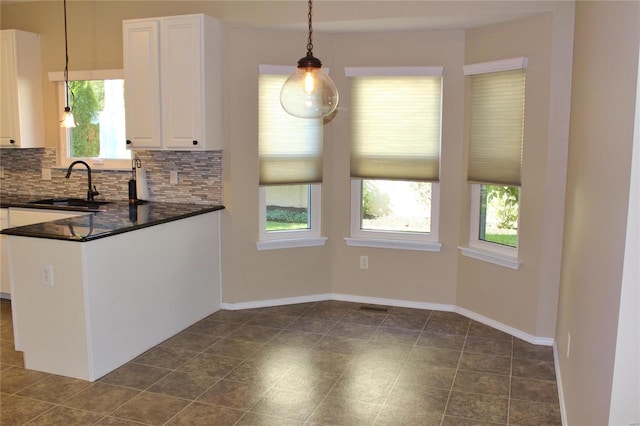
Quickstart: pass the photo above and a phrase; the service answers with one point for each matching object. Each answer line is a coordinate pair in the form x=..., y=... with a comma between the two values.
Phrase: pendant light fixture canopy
x=309, y=92
x=67, y=116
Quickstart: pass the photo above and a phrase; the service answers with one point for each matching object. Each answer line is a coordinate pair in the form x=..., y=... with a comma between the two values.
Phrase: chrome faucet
x=92, y=191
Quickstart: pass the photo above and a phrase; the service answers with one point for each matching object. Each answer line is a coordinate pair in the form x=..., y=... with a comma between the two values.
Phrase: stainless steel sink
x=76, y=203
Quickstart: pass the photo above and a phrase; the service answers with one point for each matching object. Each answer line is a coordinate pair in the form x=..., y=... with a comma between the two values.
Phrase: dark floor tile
x=334, y=411
x=6, y=330
x=340, y=345
x=413, y=312
x=365, y=317
x=435, y=356
x=54, y=389
x=396, y=352
x=101, y=398
x=235, y=395
x=294, y=310
x=165, y=357
x=394, y=416
x=234, y=348
x=210, y=364
x=371, y=389
x=478, y=407
x=272, y=320
x=240, y=316
x=485, y=363
x=481, y=383
x=114, y=421
x=66, y=416
x=481, y=345
x=522, y=349
x=288, y=404
x=418, y=398
x=9, y=356
x=441, y=340
x=353, y=330
x=409, y=322
x=256, y=419
x=274, y=352
x=312, y=325
x=190, y=341
x=533, y=369
x=534, y=390
x=296, y=338
x=135, y=376
x=459, y=421
x=150, y=408
x=301, y=379
x=187, y=385
x=427, y=375
x=252, y=371
x=437, y=324
x=15, y=379
x=325, y=313
x=530, y=413
x=198, y=414
x=211, y=327
x=368, y=366
x=16, y=410
x=254, y=333
x=395, y=336
x=477, y=329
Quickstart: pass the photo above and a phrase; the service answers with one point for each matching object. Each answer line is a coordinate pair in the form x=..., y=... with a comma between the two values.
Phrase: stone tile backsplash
x=199, y=176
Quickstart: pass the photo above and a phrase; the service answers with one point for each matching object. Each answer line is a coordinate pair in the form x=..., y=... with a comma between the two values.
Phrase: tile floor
x=331, y=363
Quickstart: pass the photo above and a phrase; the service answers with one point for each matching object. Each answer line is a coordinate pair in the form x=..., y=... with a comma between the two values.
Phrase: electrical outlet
x=46, y=174
x=173, y=177
x=46, y=275
x=364, y=262
x=568, y=345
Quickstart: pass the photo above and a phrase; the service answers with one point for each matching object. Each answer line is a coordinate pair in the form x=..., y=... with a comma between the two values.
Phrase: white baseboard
x=546, y=341
x=563, y=408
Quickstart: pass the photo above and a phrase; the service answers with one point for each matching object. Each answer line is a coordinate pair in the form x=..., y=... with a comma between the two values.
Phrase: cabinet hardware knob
x=12, y=141
x=128, y=142
x=195, y=142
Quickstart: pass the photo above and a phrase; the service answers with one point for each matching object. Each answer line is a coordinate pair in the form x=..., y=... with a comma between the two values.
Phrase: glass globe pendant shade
x=309, y=92
x=67, y=119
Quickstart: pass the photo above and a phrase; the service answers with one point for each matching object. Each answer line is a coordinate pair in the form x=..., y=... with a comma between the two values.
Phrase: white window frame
x=421, y=241
x=487, y=251
x=95, y=163
x=310, y=237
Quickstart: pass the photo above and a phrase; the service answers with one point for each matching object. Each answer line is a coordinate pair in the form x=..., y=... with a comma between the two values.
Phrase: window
x=496, y=133
x=396, y=121
x=97, y=102
x=290, y=155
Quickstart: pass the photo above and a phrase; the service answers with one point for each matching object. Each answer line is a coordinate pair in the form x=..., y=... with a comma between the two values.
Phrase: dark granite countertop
x=110, y=219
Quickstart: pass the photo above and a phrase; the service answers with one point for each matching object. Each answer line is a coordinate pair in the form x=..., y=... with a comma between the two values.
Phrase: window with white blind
x=290, y=157
x=396, y=122
x=496, y=134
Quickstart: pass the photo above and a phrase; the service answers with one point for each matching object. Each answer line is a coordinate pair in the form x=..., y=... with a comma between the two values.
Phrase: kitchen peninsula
x=91, y=292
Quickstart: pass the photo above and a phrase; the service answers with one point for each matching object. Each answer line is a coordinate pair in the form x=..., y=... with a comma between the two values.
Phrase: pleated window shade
x=496, y=127
x=289, y=148
x=396, y=121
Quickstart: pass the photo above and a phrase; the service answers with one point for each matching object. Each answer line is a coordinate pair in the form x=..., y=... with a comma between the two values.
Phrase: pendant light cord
x=66, y=53
x=310, y=38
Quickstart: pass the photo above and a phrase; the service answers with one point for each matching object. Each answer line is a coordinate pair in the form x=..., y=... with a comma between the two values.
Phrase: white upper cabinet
x=21, y=111
x=173, y=83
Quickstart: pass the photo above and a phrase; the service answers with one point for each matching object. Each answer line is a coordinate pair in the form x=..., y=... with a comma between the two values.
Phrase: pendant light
x=309, y=92
x=67, y=116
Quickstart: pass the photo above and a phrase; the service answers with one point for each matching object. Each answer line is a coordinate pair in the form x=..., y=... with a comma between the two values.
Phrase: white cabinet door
x=142, y=83
x=173, y=83
x=21, y=112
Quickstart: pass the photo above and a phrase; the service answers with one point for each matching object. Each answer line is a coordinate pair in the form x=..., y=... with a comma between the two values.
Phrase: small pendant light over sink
x=309, y=92
x=67, y=116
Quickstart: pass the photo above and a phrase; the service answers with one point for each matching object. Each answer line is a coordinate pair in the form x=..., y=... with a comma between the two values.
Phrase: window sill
x=491, y=257
x=394, y=244
x=291, y=243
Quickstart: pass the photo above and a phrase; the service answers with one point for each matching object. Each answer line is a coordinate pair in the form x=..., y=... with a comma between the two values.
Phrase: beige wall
x=607, y=41
x=511, y=298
